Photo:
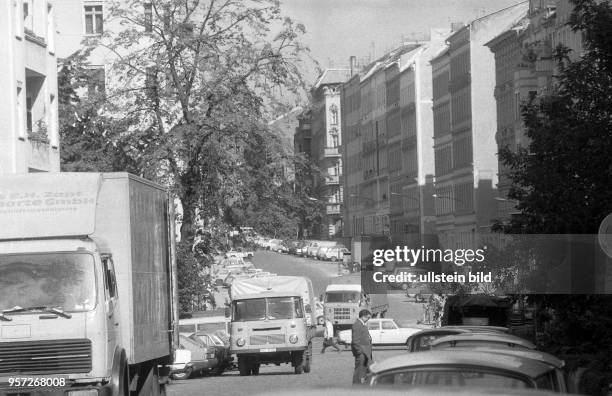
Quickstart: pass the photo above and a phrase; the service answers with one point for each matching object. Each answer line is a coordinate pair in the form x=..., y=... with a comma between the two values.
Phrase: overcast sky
x=337, y=29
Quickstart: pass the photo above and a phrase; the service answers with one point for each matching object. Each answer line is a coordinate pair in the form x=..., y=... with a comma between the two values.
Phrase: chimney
x=352, y=61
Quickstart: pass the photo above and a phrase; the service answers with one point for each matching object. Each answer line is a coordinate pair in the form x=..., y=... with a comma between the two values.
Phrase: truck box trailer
x=87, y=281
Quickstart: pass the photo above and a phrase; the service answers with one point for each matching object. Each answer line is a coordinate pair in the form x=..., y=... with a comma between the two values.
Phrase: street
x=332, y=369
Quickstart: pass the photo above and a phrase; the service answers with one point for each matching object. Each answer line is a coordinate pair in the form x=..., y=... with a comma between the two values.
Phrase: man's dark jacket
x=361, y=340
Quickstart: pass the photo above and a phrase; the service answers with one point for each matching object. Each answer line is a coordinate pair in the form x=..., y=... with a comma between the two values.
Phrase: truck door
x=111, y=309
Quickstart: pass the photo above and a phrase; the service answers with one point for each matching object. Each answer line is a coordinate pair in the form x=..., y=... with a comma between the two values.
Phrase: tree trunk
x=189, y=204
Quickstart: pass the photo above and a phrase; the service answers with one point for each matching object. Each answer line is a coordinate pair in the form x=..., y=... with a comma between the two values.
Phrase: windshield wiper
x=54, y=310
x=5, y=318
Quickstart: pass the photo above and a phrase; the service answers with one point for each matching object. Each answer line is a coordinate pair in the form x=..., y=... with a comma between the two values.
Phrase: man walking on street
x=328, y=337
x=361, y=346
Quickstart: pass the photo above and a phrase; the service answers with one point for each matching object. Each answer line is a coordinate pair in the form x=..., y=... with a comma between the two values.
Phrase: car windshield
x=342, y=297
x=52, y=280
x=268, y=308
x=453, y=376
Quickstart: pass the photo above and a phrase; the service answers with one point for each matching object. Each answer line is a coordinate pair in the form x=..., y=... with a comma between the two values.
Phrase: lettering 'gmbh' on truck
x=87, y=282
x=272, y=322
x=343, y=301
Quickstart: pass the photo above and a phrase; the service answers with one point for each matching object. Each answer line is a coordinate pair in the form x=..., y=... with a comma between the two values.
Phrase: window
x=93, y=19
x=373, y=325
x=148, y=17
x=334, y=114
x=388, y=325
x=109, y=277
x=29, y=105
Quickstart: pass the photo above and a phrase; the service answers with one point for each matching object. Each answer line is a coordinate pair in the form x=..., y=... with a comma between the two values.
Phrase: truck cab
x=344, y=301
x=58, y=298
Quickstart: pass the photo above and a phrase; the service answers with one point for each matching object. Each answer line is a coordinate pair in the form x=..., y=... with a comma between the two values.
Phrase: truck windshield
x=342, y=297
x=52, y=280
x=268, y=308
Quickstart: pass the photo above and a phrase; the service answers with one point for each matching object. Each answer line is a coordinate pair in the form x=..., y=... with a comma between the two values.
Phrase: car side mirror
x=228, y=312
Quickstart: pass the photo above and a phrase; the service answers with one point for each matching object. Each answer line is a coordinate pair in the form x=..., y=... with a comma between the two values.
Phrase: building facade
x=29, y=133
x=465, y=121
x=388, y=148
x=326, y=140
x=524, y=68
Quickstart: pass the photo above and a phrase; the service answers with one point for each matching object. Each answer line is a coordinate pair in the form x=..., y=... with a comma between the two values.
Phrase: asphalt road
x=332, y=369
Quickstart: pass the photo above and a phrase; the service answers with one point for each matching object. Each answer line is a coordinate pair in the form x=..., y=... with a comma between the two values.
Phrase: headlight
x=293, y=339
x=88, y=392
x=240, y=342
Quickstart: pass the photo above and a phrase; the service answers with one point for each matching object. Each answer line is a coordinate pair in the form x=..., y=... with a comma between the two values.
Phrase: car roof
x=525, y=353
x=513, y=363
x=484, y=337
x=344, y=287
x=478, y=328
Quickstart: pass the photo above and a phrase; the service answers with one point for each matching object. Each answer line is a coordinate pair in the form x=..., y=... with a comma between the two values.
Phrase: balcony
x=332, y=209
x=331, y=180
x=331, y=152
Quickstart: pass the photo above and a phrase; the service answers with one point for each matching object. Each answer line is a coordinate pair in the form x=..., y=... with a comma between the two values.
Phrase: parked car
x=276, y=245
x=239, y=253
x=470, y=369
x=383, y=332
x=320, y=253
x=336, y=253
x=422, y=340
x=221, y=350
x=472, y=340
x=192, y=357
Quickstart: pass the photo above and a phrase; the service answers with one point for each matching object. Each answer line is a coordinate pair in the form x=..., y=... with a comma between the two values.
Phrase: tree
x=563, y=183
x=90, y=141
x=563, y=179
x=198, y=78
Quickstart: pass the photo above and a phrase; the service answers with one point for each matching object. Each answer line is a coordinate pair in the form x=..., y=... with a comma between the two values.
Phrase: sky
x=337, y=29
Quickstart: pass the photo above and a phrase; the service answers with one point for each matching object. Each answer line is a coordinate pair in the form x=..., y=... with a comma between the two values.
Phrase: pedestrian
x=361, y=345
x=328, y=337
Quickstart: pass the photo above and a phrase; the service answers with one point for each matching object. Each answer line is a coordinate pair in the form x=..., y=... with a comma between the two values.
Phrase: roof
x=516, y=29
x=502, y=361
x=528, y=354
x=344, y=287
x=333, y=76
x=483, y=337
x=268, y=295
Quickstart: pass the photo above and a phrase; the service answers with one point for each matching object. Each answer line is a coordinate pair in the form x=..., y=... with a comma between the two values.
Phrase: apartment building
x=326, y=140
x=29, y=133
x=388, y=146
x=525, y=67
x=465, y=121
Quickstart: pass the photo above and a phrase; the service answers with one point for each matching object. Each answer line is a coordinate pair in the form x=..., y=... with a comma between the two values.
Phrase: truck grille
x=342, y=313
x=40, y=357
x=267, y=339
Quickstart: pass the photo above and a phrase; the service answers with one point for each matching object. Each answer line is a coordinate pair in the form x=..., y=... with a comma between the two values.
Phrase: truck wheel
x=299, y=362
x=308, y=358
x=333, y=259
x=124, y=383
x=243, y=367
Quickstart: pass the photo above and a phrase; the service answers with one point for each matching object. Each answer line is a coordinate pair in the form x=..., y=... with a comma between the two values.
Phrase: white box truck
x=343, y=301
x=88, y=298
x=272, y=322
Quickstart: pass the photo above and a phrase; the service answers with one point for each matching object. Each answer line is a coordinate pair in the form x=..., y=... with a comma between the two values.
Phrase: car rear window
x=452, y=376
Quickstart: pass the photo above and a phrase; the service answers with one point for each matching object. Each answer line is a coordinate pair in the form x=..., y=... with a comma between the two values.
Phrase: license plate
x=268, y=350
